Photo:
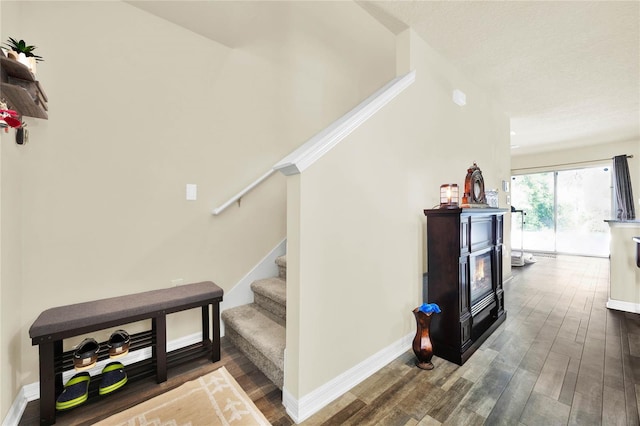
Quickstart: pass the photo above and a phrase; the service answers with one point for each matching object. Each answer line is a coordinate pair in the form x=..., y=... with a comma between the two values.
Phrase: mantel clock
x=474, y=188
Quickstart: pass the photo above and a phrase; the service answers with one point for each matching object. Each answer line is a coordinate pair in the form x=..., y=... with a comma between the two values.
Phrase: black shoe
x=86, y=354
x=118, y=344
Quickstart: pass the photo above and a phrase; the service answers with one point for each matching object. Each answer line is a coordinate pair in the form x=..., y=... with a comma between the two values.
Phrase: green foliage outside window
x=534, y=194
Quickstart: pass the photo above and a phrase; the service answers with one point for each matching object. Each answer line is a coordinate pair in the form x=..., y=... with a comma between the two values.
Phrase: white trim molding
x=620, y=305
x=312, y=150
x=17, y=408
x=321, y=143
x=303, y=408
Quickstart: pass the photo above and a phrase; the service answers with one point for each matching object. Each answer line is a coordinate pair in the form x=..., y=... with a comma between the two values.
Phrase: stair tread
x=253, y=325
x=274, y=288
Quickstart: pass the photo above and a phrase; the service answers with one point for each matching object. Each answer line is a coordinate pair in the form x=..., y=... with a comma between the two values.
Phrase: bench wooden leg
x=215, y=339
x=205, y=323
x=50, y=384
x=159, y=351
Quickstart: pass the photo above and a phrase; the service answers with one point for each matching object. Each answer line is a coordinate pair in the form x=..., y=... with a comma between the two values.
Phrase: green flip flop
x=113, y=378
x=75, y=392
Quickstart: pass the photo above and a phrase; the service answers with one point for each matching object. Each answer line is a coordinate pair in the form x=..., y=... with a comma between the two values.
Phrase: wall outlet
x=177, y=282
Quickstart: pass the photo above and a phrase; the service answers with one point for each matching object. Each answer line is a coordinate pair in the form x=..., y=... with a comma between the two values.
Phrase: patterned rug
x=213, y=399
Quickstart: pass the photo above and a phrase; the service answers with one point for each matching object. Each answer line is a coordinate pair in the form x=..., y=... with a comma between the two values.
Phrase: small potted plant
x=24, y=53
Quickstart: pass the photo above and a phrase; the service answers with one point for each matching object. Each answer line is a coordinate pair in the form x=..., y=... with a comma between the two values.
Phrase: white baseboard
x=17, y=408
x=619, y=305
x=309, y=404
x=240, y=294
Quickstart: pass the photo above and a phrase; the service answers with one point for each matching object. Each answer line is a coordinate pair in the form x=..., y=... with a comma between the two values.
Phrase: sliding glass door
x=564, y=211
x=534, y=195
x=583, y=203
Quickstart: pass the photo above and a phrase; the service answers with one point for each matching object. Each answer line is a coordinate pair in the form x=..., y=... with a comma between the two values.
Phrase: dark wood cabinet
x=464, y=258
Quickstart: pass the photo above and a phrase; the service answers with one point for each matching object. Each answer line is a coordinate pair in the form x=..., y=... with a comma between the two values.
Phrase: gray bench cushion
x=67, y=321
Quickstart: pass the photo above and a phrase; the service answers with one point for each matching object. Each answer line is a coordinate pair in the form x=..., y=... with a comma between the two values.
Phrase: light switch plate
x=459, y=97
x=192, y=192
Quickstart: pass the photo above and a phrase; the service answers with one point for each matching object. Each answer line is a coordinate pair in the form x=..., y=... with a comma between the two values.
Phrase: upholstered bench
x=56, y=324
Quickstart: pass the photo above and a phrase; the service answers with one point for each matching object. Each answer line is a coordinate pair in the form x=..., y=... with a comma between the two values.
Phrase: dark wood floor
x=560, y=358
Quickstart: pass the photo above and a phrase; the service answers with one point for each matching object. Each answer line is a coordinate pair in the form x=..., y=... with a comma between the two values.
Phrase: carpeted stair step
x=281, y=261
x=259, y=337
x=271, y=294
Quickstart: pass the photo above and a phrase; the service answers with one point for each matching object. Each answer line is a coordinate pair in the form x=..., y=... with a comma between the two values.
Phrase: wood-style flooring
x=560, y=358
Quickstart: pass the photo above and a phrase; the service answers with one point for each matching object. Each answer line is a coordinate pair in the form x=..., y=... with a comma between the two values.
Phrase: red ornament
x=9, y=116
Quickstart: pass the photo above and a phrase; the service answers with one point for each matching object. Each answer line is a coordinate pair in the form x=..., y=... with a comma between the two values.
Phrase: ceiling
x=567, y=73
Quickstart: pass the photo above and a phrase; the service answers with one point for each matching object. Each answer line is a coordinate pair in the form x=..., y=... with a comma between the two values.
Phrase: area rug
x=213, y=399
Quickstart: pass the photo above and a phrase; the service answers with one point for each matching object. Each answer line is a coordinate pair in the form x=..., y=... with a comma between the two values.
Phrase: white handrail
x=321, y=143
x=241, y=194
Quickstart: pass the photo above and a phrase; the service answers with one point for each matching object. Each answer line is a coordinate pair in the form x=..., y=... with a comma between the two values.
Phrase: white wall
x=11, y=337
x=94, y=206
x=11, y=188
x=356, y=243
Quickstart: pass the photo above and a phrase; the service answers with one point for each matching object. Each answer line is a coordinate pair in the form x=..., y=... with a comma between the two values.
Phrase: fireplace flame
x=479, y=275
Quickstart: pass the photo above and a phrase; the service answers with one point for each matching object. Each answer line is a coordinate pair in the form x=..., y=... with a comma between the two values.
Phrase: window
x=564, y=211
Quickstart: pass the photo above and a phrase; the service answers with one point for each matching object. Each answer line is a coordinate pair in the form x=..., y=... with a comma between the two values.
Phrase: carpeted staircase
x=258, y=329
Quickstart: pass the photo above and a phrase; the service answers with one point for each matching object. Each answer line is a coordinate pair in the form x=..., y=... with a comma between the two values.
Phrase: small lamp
x=449, y=196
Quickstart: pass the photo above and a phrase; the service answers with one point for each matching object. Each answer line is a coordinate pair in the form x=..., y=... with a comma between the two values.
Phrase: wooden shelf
x=16, y=69
x=21, y=90
x=19, y=99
